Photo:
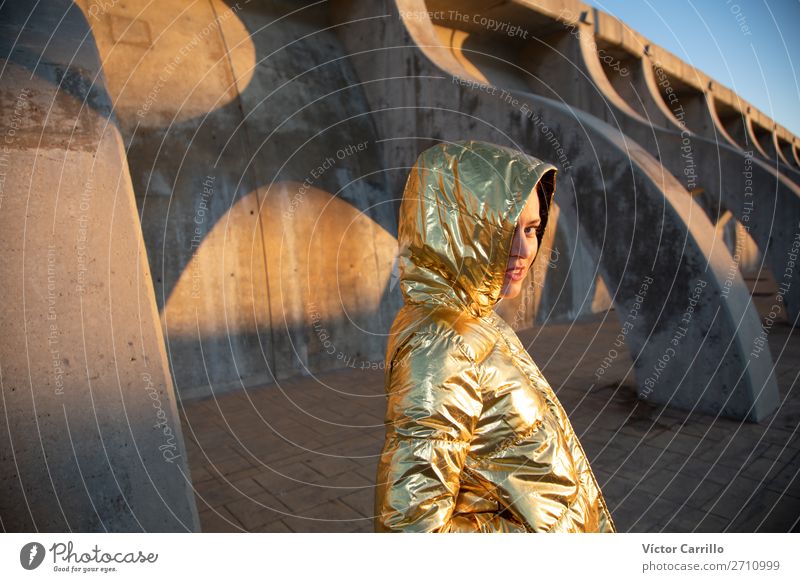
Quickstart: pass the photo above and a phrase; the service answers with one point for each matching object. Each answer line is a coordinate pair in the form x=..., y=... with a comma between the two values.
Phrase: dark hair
x=545, y=189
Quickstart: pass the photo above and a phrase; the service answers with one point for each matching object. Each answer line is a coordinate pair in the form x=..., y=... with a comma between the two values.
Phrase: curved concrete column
x=556, y=63
x=644, y=80
x=780, y=151
x=699, y=115
x=254, y=170
x=733, y=123
x=647, y=234
x=766, y=201
x=732, y=130
x=689, y=103
x=573, y=286
x=741, y=245
x=760, y=197
x=92, y=440
x=769, y=149
x=762, y=145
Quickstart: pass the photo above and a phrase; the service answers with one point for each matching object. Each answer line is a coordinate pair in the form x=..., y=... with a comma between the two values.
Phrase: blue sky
x=750, y=46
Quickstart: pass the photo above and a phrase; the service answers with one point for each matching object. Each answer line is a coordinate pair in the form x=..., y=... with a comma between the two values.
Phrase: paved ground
x=301, y=456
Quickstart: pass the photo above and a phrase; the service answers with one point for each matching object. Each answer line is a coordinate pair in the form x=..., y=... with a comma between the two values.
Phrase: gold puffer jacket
x=476, y=439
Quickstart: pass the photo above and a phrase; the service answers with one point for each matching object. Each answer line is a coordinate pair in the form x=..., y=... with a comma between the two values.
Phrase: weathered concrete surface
x=591, y=61
x=267, y=174
x=256, y=170
x=91, y=438
x=304, y=458
x=653, y=245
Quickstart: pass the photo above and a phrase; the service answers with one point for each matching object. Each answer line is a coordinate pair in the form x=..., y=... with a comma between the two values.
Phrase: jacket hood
x=457, y=220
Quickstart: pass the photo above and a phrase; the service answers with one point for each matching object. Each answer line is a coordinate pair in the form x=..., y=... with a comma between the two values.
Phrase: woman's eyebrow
x=537, y=221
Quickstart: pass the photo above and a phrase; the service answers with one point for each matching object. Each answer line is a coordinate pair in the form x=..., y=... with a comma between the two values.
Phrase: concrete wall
x=230, y=172
x=258, y=176
x=92, y=440
x=202, y=196
x=692, y=337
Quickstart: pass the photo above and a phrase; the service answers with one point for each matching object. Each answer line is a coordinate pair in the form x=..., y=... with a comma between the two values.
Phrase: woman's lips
x=515, y=274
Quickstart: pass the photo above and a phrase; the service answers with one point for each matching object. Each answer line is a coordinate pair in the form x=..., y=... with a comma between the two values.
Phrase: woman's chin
x=511, y=289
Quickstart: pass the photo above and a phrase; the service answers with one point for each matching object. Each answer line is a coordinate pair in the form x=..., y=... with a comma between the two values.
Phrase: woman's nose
x=523, y=246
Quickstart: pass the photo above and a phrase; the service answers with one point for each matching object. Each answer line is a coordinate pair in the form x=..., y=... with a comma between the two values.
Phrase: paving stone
x=610, y=456
x=299, y=471
x=645, y=457
x=368, y=471
x=219, y=520
x=331, y=466
x=300, y=499
x=641, y=508
x=768, y=512
x=704, y=470
x=661, y=516
x=277, y=424
x=200, y=474
x=682, y=444
x=616, y=490
x=256, y=510
x=787, y=476
x=679, y=487
x=362, y=501
x=332, y=516
x=351, y=480
x=734, y=497
x=273, y=527
x=228, y=465
x=218, y=492
x=244, y=473
x=783, y=453
x=693, y=520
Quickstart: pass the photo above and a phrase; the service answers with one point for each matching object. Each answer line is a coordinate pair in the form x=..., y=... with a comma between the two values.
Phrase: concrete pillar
x=264, y=213
x=92, y=439
x=650, y=240
x=765, y=200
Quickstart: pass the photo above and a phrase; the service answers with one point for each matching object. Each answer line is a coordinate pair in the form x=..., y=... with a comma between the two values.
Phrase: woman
x=476, y=440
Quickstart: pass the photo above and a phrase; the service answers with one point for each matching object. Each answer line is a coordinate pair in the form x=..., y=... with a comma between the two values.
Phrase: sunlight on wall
x=324, y=259
x=171, y=61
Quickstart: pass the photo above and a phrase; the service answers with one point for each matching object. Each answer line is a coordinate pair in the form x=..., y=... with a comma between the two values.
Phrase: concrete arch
x=578, y=291
x=691, y=103
x=719, y=169
x=729, y=123
x=711, y=371
x=768, y=147
x=761, y=139
x=625, y=72
x=784, y=149
x=699, y=163
x=229, y=158
x=559, y=61
x=644, y=79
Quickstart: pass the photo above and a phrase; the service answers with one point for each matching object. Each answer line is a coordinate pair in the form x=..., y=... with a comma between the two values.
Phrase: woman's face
x=524, y=247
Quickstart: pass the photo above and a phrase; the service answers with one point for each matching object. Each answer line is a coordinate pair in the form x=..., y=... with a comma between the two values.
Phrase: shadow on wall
x=331, y=282
x=260, y=185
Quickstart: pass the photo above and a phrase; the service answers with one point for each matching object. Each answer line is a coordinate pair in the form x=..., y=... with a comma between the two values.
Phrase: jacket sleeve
x=434, y=402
